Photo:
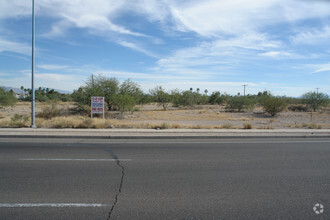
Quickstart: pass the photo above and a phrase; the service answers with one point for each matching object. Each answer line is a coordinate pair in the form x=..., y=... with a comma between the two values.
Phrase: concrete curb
x=160, y=134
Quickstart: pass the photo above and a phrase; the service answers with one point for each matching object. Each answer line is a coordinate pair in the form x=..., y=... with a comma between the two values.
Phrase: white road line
x=71, y=159
x=216, y=141
x=49, y=205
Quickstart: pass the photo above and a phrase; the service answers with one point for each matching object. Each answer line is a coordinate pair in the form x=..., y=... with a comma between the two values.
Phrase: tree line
x=125, y=96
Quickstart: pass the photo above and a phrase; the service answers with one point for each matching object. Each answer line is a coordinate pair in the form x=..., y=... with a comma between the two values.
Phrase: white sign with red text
x=97, y=105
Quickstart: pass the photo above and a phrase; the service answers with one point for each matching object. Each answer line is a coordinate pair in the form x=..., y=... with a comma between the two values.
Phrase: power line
x=244, y=88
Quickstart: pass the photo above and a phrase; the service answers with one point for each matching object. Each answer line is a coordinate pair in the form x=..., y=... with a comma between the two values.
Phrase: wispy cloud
x=322, y=68
x=52, y=67
x=14, y=8
x=135, y=47
x=97, y=16
x=314, y=36
x=16, y=47
x=213, y=17
x=282, y=55
x=205, y=43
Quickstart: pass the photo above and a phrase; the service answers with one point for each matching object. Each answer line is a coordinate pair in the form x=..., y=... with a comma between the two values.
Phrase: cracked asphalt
x=165, y=179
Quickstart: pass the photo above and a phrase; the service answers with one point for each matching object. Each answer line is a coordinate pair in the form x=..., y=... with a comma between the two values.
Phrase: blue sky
x=276, y=45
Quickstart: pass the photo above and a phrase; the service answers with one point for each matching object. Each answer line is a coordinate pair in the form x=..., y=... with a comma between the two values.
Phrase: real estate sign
x=97, y=105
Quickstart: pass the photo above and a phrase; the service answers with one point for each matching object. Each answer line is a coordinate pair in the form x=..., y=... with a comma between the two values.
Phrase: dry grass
x=183, y=115
x=73, y=122
x=247, y=126
x=311, y=126
x=227, y=126
x=16, y=121
x=153, y=117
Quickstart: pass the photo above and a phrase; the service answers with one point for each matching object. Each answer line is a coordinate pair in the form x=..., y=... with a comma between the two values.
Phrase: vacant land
x=152, y=116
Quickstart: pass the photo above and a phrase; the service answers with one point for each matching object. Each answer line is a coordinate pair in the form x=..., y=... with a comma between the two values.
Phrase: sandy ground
x=207, y=116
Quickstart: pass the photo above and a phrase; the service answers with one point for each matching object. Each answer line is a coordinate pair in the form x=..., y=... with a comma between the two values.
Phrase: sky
x=282, y=46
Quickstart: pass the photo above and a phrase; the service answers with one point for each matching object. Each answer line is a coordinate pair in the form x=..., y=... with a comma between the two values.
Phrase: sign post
x=97, y=106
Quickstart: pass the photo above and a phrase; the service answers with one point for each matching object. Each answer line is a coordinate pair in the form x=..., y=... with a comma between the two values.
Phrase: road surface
x=165, y=179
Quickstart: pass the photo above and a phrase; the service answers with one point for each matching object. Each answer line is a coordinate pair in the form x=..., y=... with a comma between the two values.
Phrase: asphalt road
x=165, y=179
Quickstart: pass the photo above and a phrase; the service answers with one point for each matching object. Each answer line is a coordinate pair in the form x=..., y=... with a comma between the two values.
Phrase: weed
x=136, y=109
x=227, y=126
x=311, y=126
x=164, y=125
x=247, y=126
x=176, y=126
x=197, y=127
x=50, y=111
x=19, y=121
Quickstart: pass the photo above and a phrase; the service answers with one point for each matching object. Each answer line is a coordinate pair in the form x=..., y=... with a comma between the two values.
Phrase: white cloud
x=315, y=36
x=322, y=68
x=213, y=17
x=67, y=82
x=280, y=55
x=16, y=47
x=4, y=74
x=250, y=40
x=52, y=67
x=220, y=54
x=52, y=76
x=96, y=15
x=135, y=47
x=14, y=8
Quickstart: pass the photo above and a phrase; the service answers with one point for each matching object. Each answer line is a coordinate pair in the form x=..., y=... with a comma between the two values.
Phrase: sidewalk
x=152, y=133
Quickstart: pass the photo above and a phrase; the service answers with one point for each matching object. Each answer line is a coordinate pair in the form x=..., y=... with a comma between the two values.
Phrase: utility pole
x=33, y=124
x=244, y=88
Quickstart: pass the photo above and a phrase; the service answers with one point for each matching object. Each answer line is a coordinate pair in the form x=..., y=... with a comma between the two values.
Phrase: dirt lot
x=152, y=116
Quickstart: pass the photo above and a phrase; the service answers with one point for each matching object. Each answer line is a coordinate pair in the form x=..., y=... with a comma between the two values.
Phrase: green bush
x=187, y=98
x=315, y=100
x=273, y=105
x=7, y=98
x=124, y=102
x=237, y=103
x=217, y=98
x=161, y=97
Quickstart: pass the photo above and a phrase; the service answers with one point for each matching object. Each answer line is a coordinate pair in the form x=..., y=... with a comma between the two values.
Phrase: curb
x=159, y=134
x=165, y=136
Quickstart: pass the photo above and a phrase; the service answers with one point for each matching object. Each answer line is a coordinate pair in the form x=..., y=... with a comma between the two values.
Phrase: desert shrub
x=237, y=103
x=85, y=123
x=196, y=127
x=161, y=97
x=247, y=126
x=164, y=125
x=175, y=97
x=227, y=126
x=50, y=111
x=315, y=100
x=273, y=105
x=7, y=98
x=217, y=98
x=312, y=126
x=187, y=98
x=298, y=108
x=124, y=102
x=19, y=121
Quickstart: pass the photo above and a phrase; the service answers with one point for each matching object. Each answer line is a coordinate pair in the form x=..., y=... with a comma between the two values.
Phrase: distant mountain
x=18, y=90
